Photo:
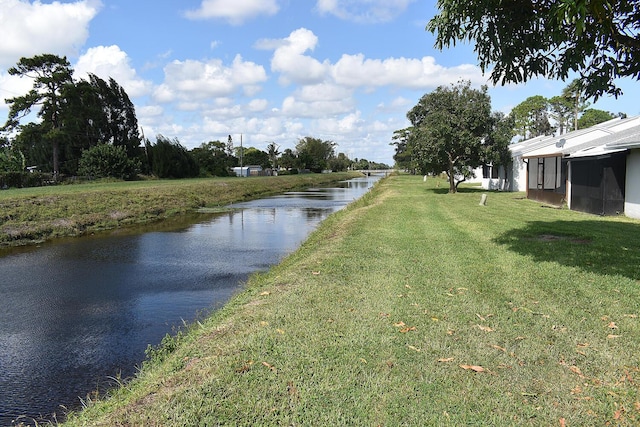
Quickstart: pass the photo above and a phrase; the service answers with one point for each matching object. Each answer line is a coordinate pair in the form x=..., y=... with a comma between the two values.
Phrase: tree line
x=88, y=127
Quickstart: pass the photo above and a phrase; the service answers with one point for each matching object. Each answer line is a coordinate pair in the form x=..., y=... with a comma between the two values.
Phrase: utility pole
x=241, y=155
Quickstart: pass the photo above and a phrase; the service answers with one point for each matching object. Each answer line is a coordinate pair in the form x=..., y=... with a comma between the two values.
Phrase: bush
x=23, y=179
x=171, y=160
x=108, y=161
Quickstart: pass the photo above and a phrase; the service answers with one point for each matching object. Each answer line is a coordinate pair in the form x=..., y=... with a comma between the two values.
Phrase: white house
x=594, y=170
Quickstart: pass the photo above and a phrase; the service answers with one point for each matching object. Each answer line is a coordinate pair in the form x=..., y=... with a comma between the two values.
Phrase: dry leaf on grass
x=405, y=330
x=447, y=359
x=473, y=368
x=611, y=336
x=576, y=371
x=270, y=366
x=265, y=293
x=612, y=325
x=497, y=347
x=484, y=328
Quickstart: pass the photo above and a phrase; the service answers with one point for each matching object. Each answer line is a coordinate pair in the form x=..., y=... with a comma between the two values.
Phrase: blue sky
x=272, y=70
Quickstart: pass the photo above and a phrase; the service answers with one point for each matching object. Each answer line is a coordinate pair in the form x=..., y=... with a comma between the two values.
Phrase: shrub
x=108, y=161
x=171, y=160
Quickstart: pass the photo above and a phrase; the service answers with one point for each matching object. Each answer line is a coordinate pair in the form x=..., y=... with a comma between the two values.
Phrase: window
x=545, y=173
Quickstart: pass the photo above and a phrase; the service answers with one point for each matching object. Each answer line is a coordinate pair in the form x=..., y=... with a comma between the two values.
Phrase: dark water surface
x=77, y=312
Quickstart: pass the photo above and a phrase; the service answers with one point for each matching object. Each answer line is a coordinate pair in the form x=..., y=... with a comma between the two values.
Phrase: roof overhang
x=601, y=151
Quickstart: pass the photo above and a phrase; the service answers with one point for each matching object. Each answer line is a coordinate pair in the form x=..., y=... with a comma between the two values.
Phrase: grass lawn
x=415, y=307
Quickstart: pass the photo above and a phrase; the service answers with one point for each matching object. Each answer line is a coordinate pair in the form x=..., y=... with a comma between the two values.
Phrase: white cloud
x=196, y=80
x=349, y=124
x=363, y=11
x=34, y=28
x=293, y=106
x=258, y=105
x=319, y=101
x=111, y=62
x=10, y=87
x=356, y=71
x=289, y=59
x=149, y=111
x=234, y=11
x=292, y=60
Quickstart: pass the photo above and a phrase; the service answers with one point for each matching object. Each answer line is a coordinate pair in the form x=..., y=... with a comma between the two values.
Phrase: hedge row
x=24, y=179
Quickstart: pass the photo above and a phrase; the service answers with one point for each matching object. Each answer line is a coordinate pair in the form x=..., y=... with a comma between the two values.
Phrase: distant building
x=250, y=170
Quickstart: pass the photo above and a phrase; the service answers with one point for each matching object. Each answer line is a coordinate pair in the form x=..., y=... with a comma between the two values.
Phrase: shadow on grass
x=602, y=247
x=445, y=190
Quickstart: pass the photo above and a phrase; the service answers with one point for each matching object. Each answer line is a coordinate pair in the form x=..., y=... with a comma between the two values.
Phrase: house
x=594, y=170
x=249, y=170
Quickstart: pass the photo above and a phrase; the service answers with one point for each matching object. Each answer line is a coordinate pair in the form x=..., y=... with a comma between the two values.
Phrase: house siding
x=632, y=196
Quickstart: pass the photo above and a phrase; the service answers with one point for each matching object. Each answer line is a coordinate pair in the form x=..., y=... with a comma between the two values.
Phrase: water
x=78, y=312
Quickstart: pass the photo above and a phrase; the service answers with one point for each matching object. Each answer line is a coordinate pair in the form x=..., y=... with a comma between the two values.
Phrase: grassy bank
x=32, y=215
x=416, y=307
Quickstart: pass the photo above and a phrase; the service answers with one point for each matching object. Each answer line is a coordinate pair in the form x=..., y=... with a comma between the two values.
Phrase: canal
x=78, y=314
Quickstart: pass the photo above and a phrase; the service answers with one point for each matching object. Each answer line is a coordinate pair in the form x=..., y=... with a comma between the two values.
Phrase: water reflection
x=78, y=311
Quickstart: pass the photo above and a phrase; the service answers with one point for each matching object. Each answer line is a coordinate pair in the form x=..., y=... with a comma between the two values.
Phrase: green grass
x=32, y=215
x=378, y=317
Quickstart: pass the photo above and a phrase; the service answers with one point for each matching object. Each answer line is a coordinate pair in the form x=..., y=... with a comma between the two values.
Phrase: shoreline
x=36, y=215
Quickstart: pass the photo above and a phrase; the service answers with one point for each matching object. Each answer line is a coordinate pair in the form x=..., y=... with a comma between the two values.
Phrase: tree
x=496, y=144
x=403, y=156
x=561, y=112
x=449, y=126
x=75, y=115
x=170, y=159
x=119, y=121
x=592, y=117
x=339, y=163
x=575, y=93
x=273, y=152
x=289, y=159
x=598, y=39
x=213, y=159
x=253, y=156
x=314, y=153
x=108, y=161
x=50, y=75
x=11, y=160
x=530, y=117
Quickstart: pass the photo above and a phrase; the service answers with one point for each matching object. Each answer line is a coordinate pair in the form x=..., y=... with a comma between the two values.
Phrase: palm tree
x=272, y=150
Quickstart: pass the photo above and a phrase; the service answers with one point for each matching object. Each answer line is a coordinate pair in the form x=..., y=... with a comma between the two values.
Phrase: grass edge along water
x=415, y=307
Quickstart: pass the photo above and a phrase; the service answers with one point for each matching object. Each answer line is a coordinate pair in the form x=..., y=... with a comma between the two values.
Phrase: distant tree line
x=537, y=115
x=88, y=127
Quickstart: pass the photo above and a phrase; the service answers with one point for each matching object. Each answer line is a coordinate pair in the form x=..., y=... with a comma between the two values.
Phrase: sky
x=263, y=71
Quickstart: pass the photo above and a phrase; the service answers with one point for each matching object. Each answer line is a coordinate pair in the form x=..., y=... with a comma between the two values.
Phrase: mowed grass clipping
x=416, y=307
